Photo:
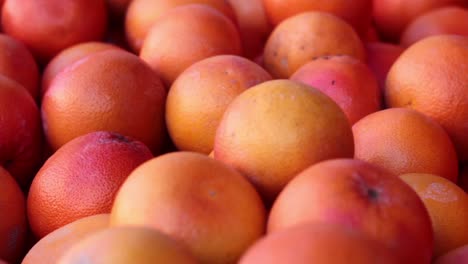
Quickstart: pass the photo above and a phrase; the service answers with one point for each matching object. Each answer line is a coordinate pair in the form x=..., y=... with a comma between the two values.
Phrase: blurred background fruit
x=51, y=247
x=21, y=133
x=316, y=243
x=123, y=245
x=357, y=13
x=13, y=223
x=49, y=26
x=170, y=46
x=142, y=14
x=18, y=64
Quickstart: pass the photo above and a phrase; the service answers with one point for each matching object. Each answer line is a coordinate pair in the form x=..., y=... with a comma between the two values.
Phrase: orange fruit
x=348, y=81
x=51, y=247
x=171, y=46
x=123, y=245
x=200, y=95
x=448, y=207
x=380, y=57
x=142, y=14
x=49, y=26
x=276, y=129
x=360, y=196
x=207, y=206
x=18, y=64
x=392, y=16
x=307, y=36
x=111, y=90
x=444, y=20
x=13, y=223
x=21, y=133
x=253, y=24
x=357, y=13
x=430, y=77
x=318, y=243
x=402, y=140
x=82, y=179
x=454, y=256
x=69, y=56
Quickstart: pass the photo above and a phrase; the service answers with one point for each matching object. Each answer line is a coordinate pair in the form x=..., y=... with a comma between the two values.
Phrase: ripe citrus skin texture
x=124, y=245
x=142, y=14
x=198, y=98
x=348, y=81
x=67, y=57
x=403, y=140
x=20, y=133
x=51, y=247
x=18, y=64
x=430, y=77
x=47, y=27
x=13, y=224
x=276, y=129
x=307, y=36
x=111, y=90
x=360, y=196
x=82, y=179
x=211, y=208
x=210, y=33
x=448, y=207
x=316, y=242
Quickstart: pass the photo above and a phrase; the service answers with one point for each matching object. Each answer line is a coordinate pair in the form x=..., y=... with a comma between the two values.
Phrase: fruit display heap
x=233, y=131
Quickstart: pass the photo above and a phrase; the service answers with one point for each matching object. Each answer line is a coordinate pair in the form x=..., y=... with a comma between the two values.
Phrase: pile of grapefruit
x=233, y=131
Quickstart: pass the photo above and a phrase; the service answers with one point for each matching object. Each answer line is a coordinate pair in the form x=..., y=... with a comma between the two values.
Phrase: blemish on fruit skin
x=212, y=193
x=284, y=62
x=118, y=137
x=333, y=82
x=439, y=192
